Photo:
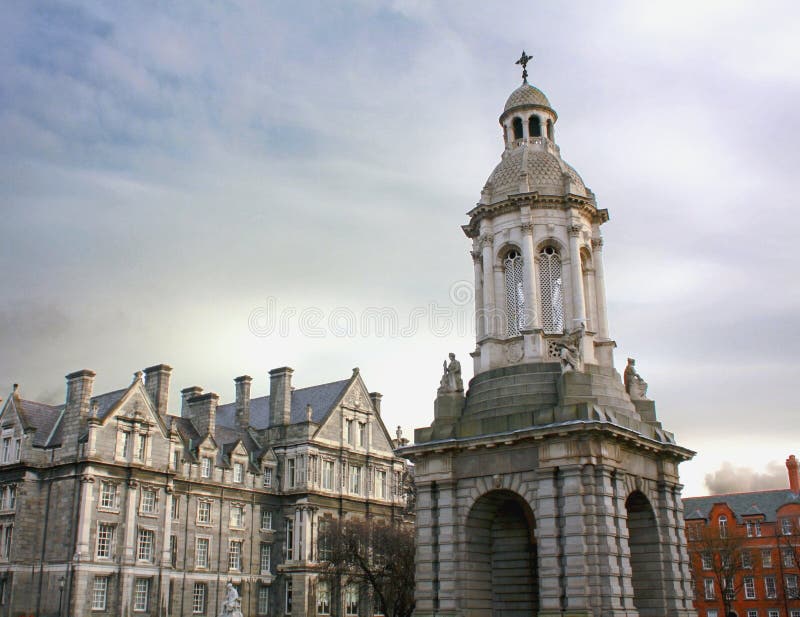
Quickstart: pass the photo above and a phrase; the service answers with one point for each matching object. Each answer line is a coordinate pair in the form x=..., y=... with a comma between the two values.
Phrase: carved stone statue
x=571, y=349
x=451, y=376
x=231, y=605
x=635, y=386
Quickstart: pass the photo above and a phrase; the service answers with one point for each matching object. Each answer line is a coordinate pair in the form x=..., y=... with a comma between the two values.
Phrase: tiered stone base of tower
x=549, y=494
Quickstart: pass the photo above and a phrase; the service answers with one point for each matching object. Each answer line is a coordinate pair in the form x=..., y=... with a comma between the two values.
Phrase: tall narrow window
x=550, y=130
x=235, y=555
x=723, y=526
x=534, y=126
x=517, y=125
x=515, y=295
x=551, y=290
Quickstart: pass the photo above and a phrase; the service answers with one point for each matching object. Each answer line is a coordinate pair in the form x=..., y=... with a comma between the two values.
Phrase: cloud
x=730, y=479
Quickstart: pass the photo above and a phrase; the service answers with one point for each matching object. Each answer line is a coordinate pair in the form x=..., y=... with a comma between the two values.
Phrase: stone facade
x=112, y=505
x=550, y=488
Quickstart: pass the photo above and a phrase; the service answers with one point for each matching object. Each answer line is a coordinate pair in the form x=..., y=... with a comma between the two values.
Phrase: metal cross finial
x=523, y=60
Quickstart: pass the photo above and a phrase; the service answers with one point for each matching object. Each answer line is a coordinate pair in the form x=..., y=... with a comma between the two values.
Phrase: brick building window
x=201, y=552
x=770, y=588
x=753, y=529
x=144, y=545
x=723, y=526
x=199, y=592
x=99, y=593
x=105, y=536
x=712, y=612
x=265, y=556
x=747, y=560
x=786, y=526
x=108, y=495
x=788, y=558
x=752, y=613
x=773, y=613
x=141, y=595
x=235, y=555
x=708, y=586
x=749, y=588
x=766, y=558
x=707, y=561
x=790, y=583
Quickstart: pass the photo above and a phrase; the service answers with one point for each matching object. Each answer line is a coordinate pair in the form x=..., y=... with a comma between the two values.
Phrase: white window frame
x=141, y=446
x=773, y=612
x=267, y=481
x=202, y=556
x=104, y=544
x=323, y=598
x=108, y=495
x=707, y=560
x=362, y=434
x=206, y=467
x=791, y=586
x=770, y=587
x=238, y=472
x=265, y=557
x=355, y=480
x=747, y=560
x=149, y=501
x=266, y=519
x=235, y=550
x=722, y=523
x=749, y=588
x=328, y=474
x=786, y=526
x=351, y=601
x=199, y=594
x=237, y=516
x=752, y=612
x=709, y=589
x=145, y=545
x=204, y=506
x=262, y=605
x=100, y=593
x=141, y=595
x=766, y=558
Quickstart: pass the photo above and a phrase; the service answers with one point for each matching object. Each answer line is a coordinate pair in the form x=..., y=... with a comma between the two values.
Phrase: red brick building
x=746, y=546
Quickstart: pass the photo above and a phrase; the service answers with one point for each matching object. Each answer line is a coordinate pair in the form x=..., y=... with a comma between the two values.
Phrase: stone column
x=591, y=299
x=548, y=545
x=489, y=306
x=675, y=571
x=600, y=288
x=609, y=511
x=129, y=556
x=480, y=319
x=623, y=548
x=574, y=541
x=501, y=315
x=426, y=547
x=448, y=549
x=85, y=517
x=578, y=302
x=165, y=554
x=529, y=282
x=298, y=531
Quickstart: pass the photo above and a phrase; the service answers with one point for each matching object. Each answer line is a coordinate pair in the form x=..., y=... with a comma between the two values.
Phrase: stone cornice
x=538, y=433
x=535, y=201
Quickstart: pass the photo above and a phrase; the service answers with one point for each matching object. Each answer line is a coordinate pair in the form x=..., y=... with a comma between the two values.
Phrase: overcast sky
x=229, y=187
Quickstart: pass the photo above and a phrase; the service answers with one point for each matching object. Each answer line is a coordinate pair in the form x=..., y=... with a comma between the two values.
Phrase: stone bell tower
x=550, y=487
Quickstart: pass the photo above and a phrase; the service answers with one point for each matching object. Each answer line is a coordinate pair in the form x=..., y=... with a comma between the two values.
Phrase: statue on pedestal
x=231, y=605
x=451, y=378
x=635, y=386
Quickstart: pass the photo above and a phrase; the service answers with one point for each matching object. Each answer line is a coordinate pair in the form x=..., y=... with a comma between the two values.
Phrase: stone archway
x=501, y=567
x=645, y=556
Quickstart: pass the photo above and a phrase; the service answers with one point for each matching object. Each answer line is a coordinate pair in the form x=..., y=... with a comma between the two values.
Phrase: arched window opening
x=723, y=526
x=550, y=130
x=517, y=126
x=551, y=290
x=534, y=126
x=645, y=556
x=515, y=293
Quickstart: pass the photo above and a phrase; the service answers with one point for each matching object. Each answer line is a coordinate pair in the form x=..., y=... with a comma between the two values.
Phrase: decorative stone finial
x=523, y=61
x=309, y=413
x=137, y=376
x=16, y=387
x=399, y=433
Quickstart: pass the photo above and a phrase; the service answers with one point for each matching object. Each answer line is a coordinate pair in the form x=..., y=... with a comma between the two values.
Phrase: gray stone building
x=550, y=488
x=119, y=507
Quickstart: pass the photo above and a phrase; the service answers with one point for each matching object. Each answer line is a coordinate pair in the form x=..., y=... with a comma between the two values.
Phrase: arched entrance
x=502, y=564
x=645, y=551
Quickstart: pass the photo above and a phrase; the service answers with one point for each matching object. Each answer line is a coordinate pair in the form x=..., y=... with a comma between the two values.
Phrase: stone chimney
x=376, y=397
x=280, y=396
x=243, y=400
x=794, y=477
x=203, y=412
x=186, y=394
x=156, y=382
x=79, y=391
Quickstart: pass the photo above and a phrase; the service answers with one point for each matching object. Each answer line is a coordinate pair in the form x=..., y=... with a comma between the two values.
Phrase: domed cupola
x=531, y=160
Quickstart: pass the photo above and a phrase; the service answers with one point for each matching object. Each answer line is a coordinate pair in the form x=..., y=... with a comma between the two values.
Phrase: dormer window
x=534, y=126
x=205, y=467
x=723, y=526
x=238, y=473
x=516, y=125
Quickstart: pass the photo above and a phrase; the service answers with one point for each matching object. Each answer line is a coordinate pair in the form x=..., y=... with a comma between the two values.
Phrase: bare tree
x=376, y=556
x=720, y=554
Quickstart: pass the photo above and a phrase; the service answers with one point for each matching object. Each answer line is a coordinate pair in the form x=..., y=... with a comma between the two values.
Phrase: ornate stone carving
x=570, y=349
x=574, y=230
x=635, y=386
x=486, y=240
x=451, y=377
x=597, y=244
x=527, y=228
x=515, y=351
x=476, y=256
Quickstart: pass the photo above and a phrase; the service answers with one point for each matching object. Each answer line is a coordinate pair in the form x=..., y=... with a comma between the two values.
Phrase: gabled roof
x=321, y=398
x=743, y=504
x=37, y=416
x=105, y=402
